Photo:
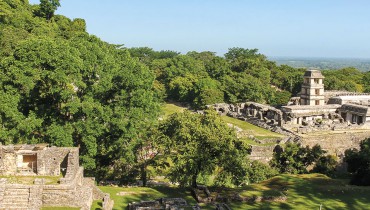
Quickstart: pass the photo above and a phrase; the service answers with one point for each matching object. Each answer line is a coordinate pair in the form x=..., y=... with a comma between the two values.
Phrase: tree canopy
x=62, y=86
x=359, y=163
x=202, y=144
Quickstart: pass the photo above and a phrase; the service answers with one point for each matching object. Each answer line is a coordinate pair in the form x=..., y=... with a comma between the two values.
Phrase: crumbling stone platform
x=37, y=162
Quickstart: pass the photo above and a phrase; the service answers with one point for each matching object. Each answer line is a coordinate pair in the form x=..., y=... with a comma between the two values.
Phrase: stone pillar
x=294, y=120
x=280, y=120
x=35, y=199
x=299, y=120
x=260, y=115
x=254, y=112
x=248, y=112
x=349, y=117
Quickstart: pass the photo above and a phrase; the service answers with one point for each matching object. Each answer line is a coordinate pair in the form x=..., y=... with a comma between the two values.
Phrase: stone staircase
x=17, y=198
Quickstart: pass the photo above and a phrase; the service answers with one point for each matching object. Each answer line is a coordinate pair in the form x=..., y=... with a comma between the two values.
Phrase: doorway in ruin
x=360, y=120
x=29, y=163
x=63, y=166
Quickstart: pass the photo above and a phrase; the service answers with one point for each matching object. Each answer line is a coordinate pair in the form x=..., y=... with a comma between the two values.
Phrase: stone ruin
x=163, y=204
x=313, y=110
x=27, y=173
x=333, y=114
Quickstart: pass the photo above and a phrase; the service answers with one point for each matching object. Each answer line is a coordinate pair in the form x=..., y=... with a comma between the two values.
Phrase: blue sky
x=301, y=28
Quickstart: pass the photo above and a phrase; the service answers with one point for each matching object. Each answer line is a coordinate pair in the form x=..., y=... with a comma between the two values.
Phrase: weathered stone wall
x=262, y=153
x=8, y=165
x=49, y=161
x=72, y=191
x=19, y=196
x=73, y=194
x=1, y=160
x=107, y=202
x=331, y=134
x=335, y=143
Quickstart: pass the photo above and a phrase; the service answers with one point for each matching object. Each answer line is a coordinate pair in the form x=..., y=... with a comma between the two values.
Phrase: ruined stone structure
x=317, y=108
x=163, y=204
x=335, y=113
x=28, y=172
x=312, y=92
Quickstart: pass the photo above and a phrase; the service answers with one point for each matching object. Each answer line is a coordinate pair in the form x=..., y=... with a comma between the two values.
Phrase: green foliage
x=349, y=79
x=202, y=78
x=207, y=91
x=48, y=7
x=258, y=172
x=280, y=98
x=62, y=86
x=287, y=78
x=326, y=165
x=366, y=82
x=203, y=145
x=359, y=163
x=295, y=159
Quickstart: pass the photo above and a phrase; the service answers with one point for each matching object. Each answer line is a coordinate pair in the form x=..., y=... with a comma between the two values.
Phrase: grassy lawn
x=169, y=109
x=51, y=180
x=248, y=128
x=306, y=191
x=123, y=196
x=252, y=129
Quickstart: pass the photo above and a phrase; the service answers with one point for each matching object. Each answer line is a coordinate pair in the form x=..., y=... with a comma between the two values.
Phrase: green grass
x=250, y=129
x=49, y=180
x=306, y=191
x=169, y=109
x=123, y=196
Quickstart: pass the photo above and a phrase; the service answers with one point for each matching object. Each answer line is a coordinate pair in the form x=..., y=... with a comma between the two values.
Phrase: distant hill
x=323, y=63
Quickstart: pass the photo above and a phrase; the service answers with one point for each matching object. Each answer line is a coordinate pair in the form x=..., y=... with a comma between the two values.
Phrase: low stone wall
x=336, y=143
x=49, y=160
x=332, y=135
x=262, y=153
x=107, y=202
x=162, y=203
x=73, y=194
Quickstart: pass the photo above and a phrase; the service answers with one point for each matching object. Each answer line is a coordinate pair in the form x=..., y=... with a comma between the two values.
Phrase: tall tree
x=359, y=163
x=203, y=145
x=295, y=159
x=48, y=7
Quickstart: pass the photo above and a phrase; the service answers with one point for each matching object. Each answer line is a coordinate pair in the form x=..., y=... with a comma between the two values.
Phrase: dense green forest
x=62, y=86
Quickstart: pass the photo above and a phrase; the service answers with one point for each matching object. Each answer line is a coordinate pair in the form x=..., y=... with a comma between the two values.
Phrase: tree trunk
x=143, y=175
x=194, y=181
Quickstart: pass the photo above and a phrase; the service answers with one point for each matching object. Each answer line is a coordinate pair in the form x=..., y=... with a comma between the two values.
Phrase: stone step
x=17, y=190
x=15, y=200
x=14, y=204
x=13, y=207
x=11, y=192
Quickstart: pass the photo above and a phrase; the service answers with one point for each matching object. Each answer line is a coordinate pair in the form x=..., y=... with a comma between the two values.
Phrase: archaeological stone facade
x=312, y=111
x=339, y=114
x=36, y=176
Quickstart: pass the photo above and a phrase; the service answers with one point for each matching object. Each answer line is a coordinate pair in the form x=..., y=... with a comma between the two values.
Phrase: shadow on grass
x=312, y=190
x=123, y=196
x=307, y=191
